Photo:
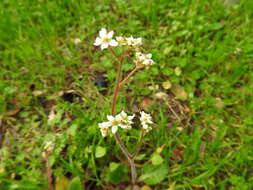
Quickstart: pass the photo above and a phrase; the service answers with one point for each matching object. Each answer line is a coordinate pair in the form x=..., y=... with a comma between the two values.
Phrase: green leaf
x=154, y=174
x=118, y=173
x=113, y=166
x=156, y=159
x=72, y=130
x=100, y=152
x=75, y=184
x=154, y=71
x=167, y=71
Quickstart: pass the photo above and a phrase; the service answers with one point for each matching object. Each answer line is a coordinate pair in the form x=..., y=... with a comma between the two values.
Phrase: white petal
x=102, y=33
x=131, y=117
x=150, y=122
x=149, y=55
x=122, y=113
x=146, y=62
x=118, y=117
x=123, y=126
x=113, y=43
x=104, y=124
x=98, y=41
x=144, y=125
x=138, y=54
x=110, y=34
x=128, y=126
x=119, y=38
x=104, y=46
x=114, y=129
x=130, y=40
x=110, y=118
x=139, y=40
x=103, y=132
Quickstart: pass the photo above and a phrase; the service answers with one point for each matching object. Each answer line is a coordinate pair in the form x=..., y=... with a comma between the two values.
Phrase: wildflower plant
x=122, y=120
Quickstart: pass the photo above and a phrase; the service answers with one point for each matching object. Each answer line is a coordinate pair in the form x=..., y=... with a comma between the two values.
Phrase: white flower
x=104, y=128
x=126, y=121
x=146, y=127
x=104, y=131
x=121, y=40
x=49, y=146
x=237, y=51
x=133, y=41
x=77, y=41
x=144, y=59
x=145, y=120
x=114, y=122
x=105, y=39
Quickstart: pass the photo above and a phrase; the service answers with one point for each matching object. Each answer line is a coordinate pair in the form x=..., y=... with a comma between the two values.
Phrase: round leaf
x=100, y=152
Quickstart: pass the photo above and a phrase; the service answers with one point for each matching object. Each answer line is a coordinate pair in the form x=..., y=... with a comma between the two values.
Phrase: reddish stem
x=49, y=173
x=128, y=76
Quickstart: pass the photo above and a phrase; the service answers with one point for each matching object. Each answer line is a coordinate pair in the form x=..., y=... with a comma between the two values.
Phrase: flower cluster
x=143, y=59
x=130, y=41
x=47, y=149
x=146, y=120
x=105, y=40
x=123, y=121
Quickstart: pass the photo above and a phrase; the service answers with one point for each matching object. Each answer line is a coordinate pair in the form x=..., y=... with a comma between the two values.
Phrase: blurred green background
x=204, y=131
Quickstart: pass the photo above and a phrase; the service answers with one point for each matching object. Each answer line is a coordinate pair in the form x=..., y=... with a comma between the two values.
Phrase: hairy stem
x=117, y=137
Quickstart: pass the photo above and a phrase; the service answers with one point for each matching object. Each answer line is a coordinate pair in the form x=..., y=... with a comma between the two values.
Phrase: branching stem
x=128, y=76
x=123, y=148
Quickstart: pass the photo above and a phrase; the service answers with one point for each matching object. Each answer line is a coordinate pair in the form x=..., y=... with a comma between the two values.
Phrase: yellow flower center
x=106, y=40
x=125, y=118
x=115, y=123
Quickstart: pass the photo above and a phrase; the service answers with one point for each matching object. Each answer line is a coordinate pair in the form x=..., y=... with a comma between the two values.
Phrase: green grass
x=212, y=151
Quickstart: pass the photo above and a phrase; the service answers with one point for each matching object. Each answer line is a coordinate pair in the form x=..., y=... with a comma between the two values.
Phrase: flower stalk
x=117, y=137
x=48, y=149
x=122, y=120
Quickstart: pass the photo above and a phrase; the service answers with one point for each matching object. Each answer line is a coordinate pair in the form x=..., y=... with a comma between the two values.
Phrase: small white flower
x=146, y=127
x=49, y=146
x=105, y=39
x=104, y=128
x=121, y=40
x=126, y=121
x=131, y=41
x=114, y=122
x=237, y=51
x=77, y=41
x=144, y=59
x=145, y=120
x=104, y=131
